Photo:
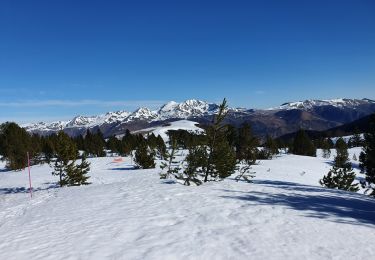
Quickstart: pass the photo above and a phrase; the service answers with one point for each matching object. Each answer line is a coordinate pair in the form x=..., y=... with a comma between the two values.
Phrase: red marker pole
x=28, y=164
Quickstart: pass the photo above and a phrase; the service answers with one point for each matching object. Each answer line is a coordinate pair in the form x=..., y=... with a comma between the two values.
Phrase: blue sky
x=63, y=58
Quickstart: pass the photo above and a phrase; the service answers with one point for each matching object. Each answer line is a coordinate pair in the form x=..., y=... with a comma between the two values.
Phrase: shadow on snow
x=15, y=190
x=334, y=205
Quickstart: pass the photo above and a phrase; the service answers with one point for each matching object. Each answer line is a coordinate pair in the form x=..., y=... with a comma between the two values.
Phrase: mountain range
x=315, y=115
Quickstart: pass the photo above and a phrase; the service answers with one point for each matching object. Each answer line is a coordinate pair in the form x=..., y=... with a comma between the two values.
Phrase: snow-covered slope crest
x=309, y=104
x=187, y=125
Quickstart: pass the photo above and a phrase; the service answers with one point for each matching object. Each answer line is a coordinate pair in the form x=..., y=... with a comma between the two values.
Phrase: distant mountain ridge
x=309, y=114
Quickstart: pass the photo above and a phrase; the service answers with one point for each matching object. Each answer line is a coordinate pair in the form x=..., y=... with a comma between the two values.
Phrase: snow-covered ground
x=187, y=125
x=132, y=214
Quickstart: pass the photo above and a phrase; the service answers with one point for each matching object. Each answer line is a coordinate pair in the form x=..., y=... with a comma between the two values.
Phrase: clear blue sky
x=62, y=58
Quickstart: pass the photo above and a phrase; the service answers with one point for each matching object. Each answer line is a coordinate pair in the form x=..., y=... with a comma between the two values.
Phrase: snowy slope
x=176, y=125
x=132, y=214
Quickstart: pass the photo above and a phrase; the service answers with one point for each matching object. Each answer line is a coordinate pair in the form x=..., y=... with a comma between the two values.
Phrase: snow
x=132, y=214
x=346, y=138
x=309, y=104
x=187, y=125
x=173, y=110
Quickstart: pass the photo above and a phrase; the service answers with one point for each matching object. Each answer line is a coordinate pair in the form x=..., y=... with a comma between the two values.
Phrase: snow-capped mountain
x=189, y=108
x=309, y=104
x=171, y=110
x=308, y=114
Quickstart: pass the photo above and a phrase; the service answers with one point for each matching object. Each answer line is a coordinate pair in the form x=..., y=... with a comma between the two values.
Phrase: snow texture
x=132, y=214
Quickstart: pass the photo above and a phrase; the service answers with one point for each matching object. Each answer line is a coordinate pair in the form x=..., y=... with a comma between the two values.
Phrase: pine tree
x=302, y=145
x=15, y=142
x=270, y=146
x=144, y=156
x=326, y=149
x=220, y=163
x=65, y=165
x=66, y=151
x=194, y=171
x=367, y=157
x=356, y=140
x=340, y=178
x=342, y=155
x=161, y=148
x=170, y=167
x=354, y=157
x=76, y=175
x=247, y=144
x=224, y=160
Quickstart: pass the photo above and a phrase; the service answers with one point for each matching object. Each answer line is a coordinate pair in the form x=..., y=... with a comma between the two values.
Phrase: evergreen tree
x=144, y=156
x=340, y=178
x=170, y=167
x=161, y=148
x=194, y=171
x=220, y=162
x=15, y=142
x=355, y=140
x=326, y=149
x=76, y=175
x=342, y=155
x=270, y=146
x=232, y=135
x=367, y=157
x=66, y=151
x=47, y=148
x=247, y=144
x=354, y=157
x=302, y=145
x=65, y=165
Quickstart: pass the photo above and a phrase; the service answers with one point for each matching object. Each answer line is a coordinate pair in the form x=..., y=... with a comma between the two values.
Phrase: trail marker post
x=28, y=164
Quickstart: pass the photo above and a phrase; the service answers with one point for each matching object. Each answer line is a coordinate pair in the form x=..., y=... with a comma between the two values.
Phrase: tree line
x=214, y=155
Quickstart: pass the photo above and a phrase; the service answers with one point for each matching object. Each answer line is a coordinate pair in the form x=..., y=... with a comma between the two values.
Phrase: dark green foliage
x=340, y=178
x=302, y=145
x=76, y=175
x=270, y=146
x=213, y=160
x=94, y=143
x=326, y=148
x=113, y=144
x=342, y=156
x=247, y=143
x=161, y=148
x=144, y=156
x=232, y=135
x=367, y=157
x=195, y=163
x=355, y=140
x=47, y=148
x=185, y=139
x=170, y=167
x=15, y=142
x=65, y=151
x=221, y=161
x=245, y=173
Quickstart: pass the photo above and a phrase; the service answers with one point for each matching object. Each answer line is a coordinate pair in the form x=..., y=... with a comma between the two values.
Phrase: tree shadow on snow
x=15, y=190
x=126, y=168
x=334, y=205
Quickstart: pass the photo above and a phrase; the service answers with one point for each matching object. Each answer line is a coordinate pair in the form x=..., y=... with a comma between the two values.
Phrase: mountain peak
x=311, y=103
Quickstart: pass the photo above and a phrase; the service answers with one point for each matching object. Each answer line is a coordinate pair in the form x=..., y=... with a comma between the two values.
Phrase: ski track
x=132, y=214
